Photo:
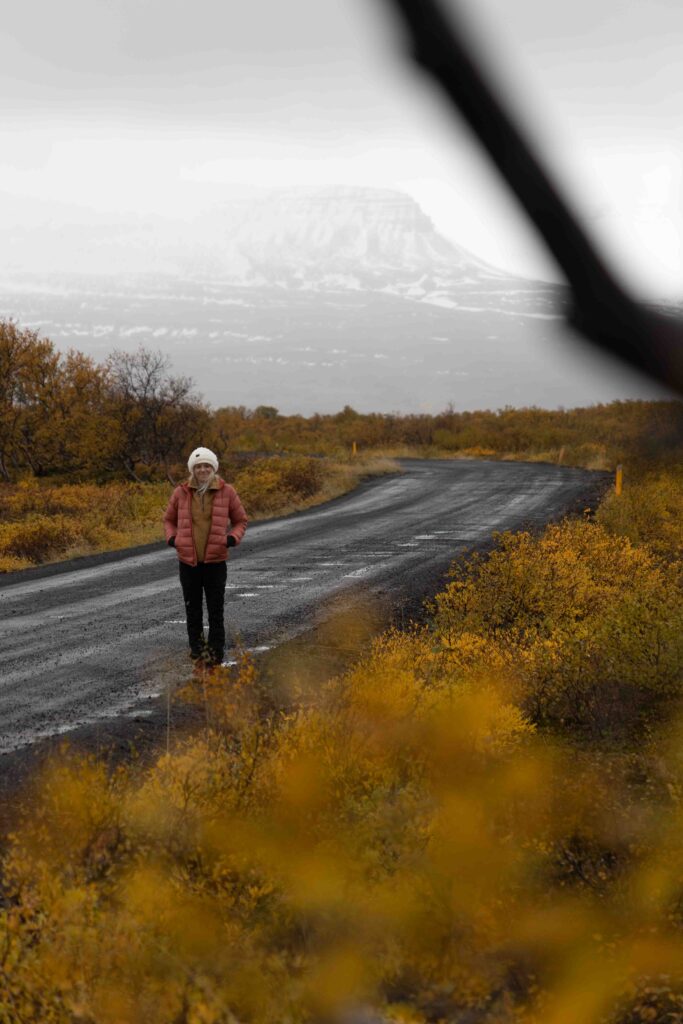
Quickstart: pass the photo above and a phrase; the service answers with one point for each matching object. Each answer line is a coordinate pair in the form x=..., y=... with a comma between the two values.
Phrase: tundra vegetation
x=88, y=450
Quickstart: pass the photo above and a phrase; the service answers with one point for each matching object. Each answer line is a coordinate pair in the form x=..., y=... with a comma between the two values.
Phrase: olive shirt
x=202, y=509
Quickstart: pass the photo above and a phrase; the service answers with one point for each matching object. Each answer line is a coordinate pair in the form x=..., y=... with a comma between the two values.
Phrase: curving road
x=81, y=644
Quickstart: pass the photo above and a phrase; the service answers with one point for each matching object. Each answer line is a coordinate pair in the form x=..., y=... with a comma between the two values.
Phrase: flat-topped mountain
x=331, y=237
x=306, y=299
x=345, y=237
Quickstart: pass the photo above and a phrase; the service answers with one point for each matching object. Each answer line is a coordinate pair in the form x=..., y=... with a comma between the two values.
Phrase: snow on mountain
x=343, y=238
x=308, y=299
x=331, y=238
x=374, y=235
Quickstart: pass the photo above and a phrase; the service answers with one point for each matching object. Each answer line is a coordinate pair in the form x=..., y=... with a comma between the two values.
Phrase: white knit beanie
x=202, y=455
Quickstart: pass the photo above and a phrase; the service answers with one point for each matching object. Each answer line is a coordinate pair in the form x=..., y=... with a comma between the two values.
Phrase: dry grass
x=341, y=478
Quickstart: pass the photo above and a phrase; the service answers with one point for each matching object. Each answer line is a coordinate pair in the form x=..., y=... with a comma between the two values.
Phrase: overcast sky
x=135, y=104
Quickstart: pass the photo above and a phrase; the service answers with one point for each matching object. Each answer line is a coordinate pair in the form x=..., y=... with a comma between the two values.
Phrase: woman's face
x=202, y=472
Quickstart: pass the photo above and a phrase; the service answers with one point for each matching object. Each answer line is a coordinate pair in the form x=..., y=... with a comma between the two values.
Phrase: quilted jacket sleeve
x=238, y=517
x=171, y=516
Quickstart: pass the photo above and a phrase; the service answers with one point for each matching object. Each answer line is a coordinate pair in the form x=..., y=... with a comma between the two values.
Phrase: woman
x=203, y=519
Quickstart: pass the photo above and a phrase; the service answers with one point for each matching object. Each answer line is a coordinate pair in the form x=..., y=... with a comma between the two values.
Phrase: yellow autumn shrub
x=589, y=624
x=649, y=511
x=38, y=537
x=40, y=523
x=272, y=484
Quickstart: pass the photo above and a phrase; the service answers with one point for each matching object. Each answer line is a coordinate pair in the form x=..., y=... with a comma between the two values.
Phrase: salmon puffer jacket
x=228, y=518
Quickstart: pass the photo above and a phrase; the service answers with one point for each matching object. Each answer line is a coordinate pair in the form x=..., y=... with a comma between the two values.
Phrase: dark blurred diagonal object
x=601, y=310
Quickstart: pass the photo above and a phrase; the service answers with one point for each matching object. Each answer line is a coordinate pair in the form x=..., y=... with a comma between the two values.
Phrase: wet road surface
x=97, y=642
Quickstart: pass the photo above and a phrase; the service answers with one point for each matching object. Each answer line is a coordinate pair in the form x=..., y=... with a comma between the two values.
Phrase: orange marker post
x=619, y=480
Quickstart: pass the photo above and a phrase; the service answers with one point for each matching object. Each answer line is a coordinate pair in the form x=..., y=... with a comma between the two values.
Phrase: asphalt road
x=97, y=641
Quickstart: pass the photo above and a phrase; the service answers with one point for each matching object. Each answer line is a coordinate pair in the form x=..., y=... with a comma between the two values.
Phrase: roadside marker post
x=618, y=480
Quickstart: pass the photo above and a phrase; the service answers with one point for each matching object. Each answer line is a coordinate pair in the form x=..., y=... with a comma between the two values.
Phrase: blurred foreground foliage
x=480, y=820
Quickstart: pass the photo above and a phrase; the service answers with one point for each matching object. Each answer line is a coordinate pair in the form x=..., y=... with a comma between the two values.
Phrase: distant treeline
x=131, y=417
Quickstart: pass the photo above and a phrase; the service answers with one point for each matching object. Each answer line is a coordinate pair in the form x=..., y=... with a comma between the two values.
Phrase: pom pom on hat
x=202, y=455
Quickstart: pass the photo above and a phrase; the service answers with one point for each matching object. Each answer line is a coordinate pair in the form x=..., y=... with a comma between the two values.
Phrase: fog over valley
x=303, y=298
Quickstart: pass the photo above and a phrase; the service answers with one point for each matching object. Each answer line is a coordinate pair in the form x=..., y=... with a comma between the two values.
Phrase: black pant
x=205, y=578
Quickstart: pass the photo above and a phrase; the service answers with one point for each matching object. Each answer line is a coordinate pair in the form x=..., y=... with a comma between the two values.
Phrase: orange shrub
x=38, y=537
x=42, y=523
x=271, y=484
x=649, y=511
